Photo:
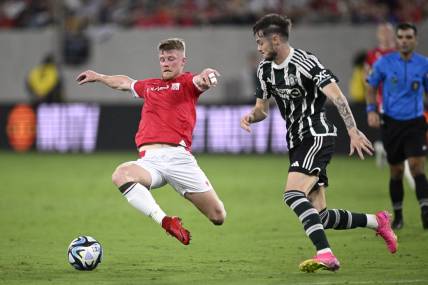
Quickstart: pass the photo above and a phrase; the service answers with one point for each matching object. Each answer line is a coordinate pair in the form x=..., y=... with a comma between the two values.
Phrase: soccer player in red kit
x=164, y=139
x=386, y=44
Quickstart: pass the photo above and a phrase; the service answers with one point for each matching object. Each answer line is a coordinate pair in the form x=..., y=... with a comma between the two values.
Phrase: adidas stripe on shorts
x=312, y=156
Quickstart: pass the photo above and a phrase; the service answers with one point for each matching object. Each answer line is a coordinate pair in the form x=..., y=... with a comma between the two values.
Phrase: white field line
x=421, y=281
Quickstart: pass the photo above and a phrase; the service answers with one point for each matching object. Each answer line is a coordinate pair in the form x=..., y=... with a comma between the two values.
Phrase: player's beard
x=271, y=54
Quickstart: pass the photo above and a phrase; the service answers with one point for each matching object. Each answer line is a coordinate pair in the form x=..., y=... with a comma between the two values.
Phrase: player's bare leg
x=209, y=204
x=128, y=172
x=298, y=187
x=417, y=168
x=317, y=198
x=134, y=181
x=340, y=219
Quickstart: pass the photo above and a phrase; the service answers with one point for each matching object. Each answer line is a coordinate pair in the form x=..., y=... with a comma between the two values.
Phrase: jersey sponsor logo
x=175, y=86
x=288, y=94
x=159, y=88
x=321, y=77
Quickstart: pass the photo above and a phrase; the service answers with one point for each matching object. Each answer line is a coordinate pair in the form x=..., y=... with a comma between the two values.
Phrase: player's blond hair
x=173, y=43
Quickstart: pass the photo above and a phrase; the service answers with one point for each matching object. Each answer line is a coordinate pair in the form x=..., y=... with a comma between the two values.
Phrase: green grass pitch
x=46, y=200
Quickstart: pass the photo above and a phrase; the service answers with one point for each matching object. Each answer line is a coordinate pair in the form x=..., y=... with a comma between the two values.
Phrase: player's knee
x=119, y=176
x=218, y=216
x=217, y=220
x=397, y=172
x=116, y=177
x=416, y=168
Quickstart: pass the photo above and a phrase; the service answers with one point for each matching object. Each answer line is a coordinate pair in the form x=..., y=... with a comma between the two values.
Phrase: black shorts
x=403, y=139
x=312, y=156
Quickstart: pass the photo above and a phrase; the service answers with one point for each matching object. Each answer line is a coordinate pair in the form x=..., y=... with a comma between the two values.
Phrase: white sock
x=141, y=198
x=372, y=221
x=324, y=250
x=408, y=175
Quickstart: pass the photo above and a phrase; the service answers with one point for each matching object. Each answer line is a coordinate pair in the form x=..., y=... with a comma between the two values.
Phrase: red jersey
x=371, y=57
x=375, y=54
x=169, y=111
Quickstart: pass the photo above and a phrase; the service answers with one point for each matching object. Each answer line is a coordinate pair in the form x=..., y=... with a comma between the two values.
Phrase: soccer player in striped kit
x=300, y=85
x=164, y=139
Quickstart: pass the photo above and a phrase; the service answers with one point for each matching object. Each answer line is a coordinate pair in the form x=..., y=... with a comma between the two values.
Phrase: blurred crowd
x=188, y=13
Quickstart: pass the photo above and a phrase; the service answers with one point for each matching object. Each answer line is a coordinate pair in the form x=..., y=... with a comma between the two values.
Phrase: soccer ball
x=84, y=253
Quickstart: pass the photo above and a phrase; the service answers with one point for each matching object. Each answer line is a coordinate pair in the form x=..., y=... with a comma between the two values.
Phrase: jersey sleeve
x=137, y=88
x=320, y=75
x=376, y=75
x=261, y=89
x=312, y=68
x=191, y=83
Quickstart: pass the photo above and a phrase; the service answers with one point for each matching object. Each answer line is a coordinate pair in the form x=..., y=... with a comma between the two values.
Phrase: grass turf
x=46, y=200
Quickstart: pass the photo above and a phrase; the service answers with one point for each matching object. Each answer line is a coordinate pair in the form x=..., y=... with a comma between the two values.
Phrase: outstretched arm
x=119, y=82
x=358, y=142
x=206, y=79
x=259, y=113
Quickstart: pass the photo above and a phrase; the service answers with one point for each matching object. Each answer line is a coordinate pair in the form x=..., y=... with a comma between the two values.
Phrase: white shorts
x=175, y=166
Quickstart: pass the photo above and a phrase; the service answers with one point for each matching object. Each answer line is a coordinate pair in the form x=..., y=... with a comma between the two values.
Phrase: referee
x=404, y=75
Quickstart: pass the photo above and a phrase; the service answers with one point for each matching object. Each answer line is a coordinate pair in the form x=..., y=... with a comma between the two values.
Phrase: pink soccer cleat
x=385, y=231
x=325, y=261
x=174, y=227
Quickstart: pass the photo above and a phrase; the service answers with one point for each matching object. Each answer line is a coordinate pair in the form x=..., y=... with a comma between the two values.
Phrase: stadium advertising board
x=83, y=127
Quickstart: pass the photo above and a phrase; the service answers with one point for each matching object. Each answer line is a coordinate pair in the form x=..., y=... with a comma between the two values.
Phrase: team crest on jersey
x=175, y=86
x=415, y=85
x=291, y=80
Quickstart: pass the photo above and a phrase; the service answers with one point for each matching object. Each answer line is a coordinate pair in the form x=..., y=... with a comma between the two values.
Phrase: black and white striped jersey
x=296, y=86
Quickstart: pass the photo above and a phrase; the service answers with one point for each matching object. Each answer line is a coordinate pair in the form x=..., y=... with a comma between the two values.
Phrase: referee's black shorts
x=312, y=156
x=403, y=139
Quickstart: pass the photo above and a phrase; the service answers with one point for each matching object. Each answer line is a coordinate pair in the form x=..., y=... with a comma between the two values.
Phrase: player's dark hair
x=171, y=44
x=273, y=24
x=406, y=26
